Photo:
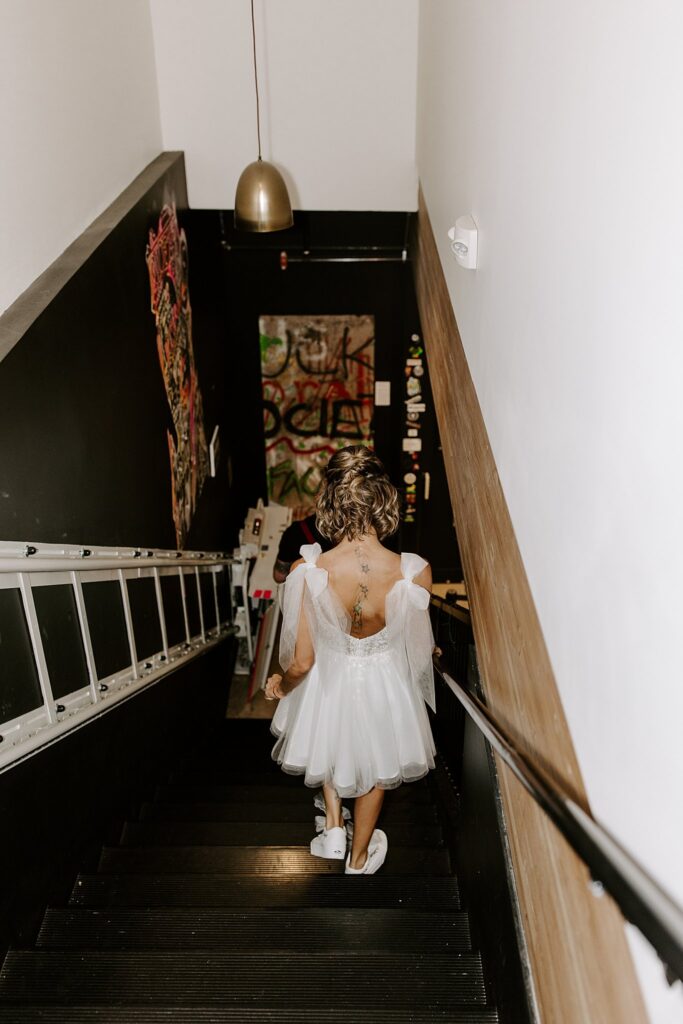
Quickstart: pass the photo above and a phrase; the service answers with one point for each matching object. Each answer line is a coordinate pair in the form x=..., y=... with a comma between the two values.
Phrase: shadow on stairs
x=211, y=909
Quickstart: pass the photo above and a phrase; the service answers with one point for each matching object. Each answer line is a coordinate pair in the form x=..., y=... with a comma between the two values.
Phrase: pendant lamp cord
x=258, y=112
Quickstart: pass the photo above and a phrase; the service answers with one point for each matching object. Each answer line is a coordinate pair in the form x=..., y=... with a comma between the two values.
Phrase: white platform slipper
x=330, y=843
x=377, y=851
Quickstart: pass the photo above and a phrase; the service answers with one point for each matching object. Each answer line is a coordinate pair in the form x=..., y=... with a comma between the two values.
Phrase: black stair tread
x=313, y=929
x=266, y=794
x=254, y=860
x=248, y=777
x=169, y=890
x=237, y=756
x=252, y=833
x=279, y=811
x=227, y=775
x=426, y=982
x=36, y=1014
x=242, y=734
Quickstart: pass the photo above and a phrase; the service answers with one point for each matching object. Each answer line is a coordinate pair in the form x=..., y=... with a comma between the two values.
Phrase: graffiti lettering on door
x=318, y=375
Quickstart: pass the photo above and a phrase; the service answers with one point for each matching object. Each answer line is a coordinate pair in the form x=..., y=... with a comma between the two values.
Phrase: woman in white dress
x=356, y=651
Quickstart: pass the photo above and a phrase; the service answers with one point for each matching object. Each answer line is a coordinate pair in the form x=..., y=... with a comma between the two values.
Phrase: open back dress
x=358, y=719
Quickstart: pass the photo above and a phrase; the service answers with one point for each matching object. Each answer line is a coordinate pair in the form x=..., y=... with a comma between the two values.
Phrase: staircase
x=211, y=909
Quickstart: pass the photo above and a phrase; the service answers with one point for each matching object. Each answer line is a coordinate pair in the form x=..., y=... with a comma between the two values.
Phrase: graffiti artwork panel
x=318, y=375
x=167, y=263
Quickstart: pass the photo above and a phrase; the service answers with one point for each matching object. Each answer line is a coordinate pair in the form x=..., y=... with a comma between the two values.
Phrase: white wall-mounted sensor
x=464, y=242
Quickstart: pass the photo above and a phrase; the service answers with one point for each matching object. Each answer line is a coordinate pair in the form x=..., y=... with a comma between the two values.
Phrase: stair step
x=251, y=833
x=234, y=758
x=270, y=794
x=296, y=930
x=229, y=775
x=432, y=982
x=405, y=892
x=250, y=774
x=256, y=860
x=234, y=1015
x=281, y=811
x=245, y=735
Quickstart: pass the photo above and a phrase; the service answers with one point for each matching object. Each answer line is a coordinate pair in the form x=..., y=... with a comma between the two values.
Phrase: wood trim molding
x=580, y=962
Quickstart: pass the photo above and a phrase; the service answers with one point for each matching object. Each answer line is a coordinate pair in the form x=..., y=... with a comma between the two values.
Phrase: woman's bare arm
x=304, y=657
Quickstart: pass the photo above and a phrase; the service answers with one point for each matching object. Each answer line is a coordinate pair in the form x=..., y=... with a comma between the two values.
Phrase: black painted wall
x=83, y=409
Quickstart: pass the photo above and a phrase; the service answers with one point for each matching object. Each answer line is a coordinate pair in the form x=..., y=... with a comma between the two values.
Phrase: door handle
x=428, y=483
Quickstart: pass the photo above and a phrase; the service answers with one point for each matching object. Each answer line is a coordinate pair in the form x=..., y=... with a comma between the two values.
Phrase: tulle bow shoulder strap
x=292, y=595
x=407, y=613
x=411, y=566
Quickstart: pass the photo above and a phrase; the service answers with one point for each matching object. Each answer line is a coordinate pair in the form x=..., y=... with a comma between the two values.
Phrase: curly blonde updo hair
x=356, y=497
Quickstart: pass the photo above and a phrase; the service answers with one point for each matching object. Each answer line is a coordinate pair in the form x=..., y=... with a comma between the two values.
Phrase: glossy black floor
x=211, y=909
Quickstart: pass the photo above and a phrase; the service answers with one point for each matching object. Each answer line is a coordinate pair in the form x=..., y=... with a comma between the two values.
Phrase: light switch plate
x=214, y=451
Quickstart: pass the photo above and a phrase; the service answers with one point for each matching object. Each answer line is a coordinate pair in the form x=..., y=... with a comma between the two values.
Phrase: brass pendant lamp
x=261, y=200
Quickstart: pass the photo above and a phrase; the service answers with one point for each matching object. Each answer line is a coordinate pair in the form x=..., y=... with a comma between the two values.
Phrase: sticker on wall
x=318, y=377
x=382, y=392
x=412, y=443
x=167, y=263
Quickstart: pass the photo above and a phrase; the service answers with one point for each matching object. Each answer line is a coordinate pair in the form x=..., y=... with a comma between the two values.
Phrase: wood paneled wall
x=580, y=962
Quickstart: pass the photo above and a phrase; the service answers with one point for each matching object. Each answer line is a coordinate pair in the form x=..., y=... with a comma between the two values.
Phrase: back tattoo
x=361, y=593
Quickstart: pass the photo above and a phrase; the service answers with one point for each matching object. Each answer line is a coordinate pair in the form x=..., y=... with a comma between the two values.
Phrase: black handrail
x=642, y=900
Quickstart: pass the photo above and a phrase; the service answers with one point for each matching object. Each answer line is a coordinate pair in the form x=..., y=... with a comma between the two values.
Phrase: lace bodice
x=355, y=647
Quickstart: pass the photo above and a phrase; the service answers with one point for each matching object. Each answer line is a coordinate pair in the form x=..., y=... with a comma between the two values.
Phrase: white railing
x=180, y=619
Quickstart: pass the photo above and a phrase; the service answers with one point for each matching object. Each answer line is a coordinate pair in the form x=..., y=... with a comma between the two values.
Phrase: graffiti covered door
x=317, y=375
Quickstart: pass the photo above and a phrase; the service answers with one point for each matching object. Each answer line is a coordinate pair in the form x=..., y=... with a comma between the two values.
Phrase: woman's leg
x=366, y=813
x=333, y=807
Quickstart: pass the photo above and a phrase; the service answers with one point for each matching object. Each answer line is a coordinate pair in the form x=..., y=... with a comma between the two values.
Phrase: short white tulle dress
x=358, y=719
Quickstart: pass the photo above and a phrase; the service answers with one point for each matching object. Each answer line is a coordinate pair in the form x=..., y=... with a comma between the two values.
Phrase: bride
x=355, y=648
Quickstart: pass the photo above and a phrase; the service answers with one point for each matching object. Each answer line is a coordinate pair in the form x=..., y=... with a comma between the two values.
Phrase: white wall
x=338, y=94
x=558, y=126
x=79, y=118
